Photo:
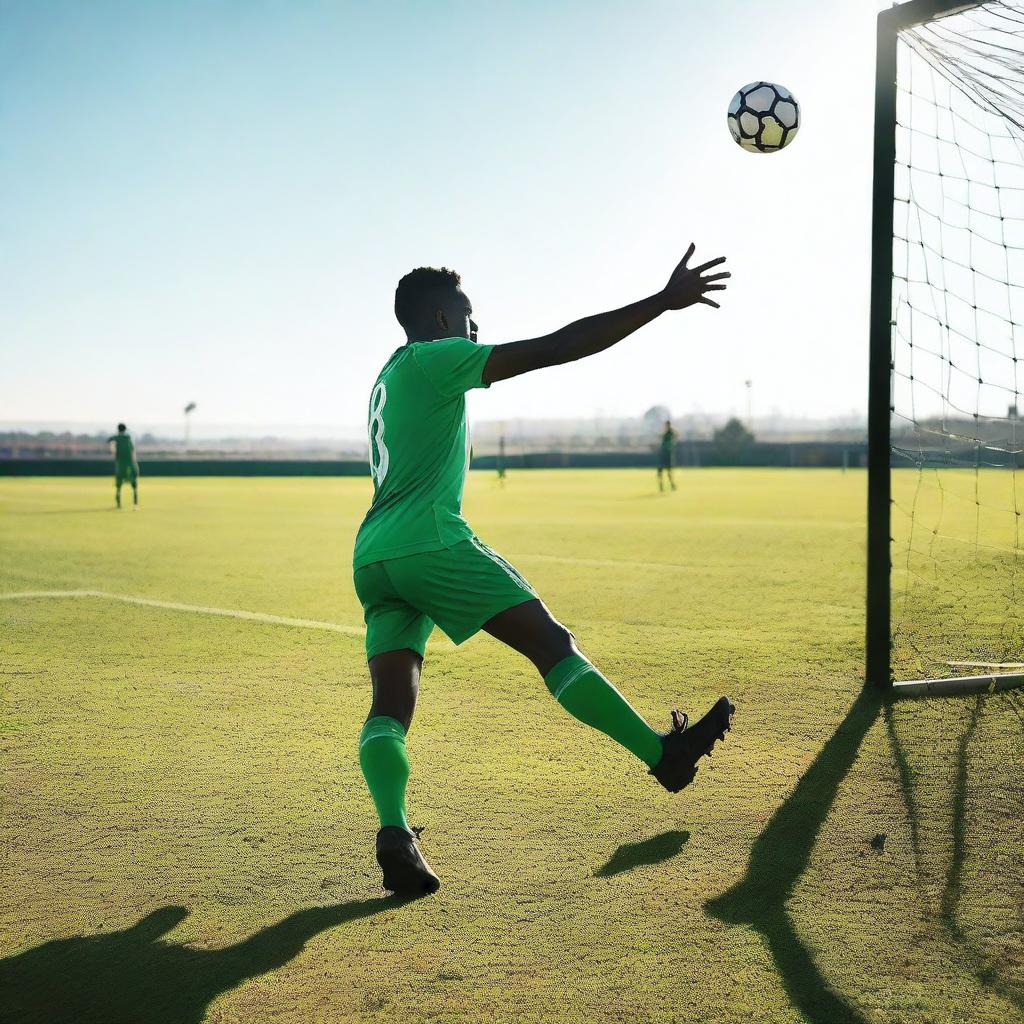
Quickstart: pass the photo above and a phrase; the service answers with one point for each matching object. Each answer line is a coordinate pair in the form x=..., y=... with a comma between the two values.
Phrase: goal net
x=956, y=346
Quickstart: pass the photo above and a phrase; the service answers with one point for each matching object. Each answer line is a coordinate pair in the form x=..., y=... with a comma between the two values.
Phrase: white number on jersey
x=378, y=449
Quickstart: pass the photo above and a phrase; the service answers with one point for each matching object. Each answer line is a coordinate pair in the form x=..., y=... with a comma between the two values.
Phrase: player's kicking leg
x=586, y=694
x=463, y=589
x=118, y=481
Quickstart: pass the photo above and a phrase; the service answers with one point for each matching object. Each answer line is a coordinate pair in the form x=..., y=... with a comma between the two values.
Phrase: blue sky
x=213, y=201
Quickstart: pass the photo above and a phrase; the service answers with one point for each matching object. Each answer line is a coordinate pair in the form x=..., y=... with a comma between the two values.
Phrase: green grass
x=958, y=570
x=156, y=759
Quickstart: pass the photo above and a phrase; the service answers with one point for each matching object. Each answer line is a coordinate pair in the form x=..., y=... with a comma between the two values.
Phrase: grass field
x=958, y=570
x=186, y=835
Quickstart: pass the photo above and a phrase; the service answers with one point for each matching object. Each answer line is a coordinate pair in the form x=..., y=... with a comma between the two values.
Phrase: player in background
x=417, y=562
x=126, y=466
x=666, y=455
x=500, y=462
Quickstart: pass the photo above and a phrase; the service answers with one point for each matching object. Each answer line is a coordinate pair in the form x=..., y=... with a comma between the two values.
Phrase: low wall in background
x=804, y=454
x=185, y=467
x=688, y=454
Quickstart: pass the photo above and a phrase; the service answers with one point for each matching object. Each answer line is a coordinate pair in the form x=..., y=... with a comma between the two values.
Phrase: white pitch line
x=177, y=606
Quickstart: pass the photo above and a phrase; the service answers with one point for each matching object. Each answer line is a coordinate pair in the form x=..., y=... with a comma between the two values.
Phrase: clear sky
x=213, y=201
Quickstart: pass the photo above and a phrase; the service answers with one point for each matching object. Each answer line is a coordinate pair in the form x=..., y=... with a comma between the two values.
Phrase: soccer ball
x=764, y=117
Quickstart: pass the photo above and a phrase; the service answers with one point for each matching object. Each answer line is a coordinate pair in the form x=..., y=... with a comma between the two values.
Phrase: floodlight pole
x=878, y=663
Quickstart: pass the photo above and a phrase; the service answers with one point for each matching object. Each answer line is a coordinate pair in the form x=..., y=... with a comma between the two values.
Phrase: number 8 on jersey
x=378, y=449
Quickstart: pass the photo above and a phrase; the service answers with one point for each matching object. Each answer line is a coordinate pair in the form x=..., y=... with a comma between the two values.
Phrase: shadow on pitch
x=649, y=851
x=778, y=859
x=984, y=970
x=135, y=975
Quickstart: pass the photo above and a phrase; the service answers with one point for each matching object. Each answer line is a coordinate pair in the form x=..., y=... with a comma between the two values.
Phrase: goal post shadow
x=985, y=971
x=781, y=853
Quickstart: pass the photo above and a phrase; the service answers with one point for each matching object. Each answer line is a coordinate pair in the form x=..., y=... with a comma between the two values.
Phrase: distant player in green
x=418, y=563
x=666, y=455
x=126, y=466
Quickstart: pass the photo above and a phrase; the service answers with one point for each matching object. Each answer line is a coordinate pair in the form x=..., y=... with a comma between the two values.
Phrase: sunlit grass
x=156, y=758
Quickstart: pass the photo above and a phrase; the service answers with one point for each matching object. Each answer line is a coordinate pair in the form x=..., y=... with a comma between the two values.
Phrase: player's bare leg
x=585, y=693
x=117, y=493
x=395, y=677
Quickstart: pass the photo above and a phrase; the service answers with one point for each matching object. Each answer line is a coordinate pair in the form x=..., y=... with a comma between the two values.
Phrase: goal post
x=945, y=539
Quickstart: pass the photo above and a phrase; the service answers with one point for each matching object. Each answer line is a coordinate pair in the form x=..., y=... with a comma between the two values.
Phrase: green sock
x=588, y=696
x=385, y=767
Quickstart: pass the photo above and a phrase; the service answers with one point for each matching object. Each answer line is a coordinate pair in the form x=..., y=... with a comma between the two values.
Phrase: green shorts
x=458, y=588
x=129, y=473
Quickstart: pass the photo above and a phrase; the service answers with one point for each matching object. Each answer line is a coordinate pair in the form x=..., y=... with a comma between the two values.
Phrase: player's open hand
x=688, y=286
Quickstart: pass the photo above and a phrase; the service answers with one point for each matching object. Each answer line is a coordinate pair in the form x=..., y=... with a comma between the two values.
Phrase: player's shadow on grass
x=778, y=859
x=649, y=851
x=135, y=975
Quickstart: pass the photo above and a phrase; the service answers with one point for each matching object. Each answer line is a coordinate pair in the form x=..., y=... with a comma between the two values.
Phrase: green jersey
x=124, y=449
x=419, y=449
x=668, y=440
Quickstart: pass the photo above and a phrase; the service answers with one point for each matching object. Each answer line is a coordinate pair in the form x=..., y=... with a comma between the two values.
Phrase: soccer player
x=417, y=562
x=126, y=466
x=668, y=445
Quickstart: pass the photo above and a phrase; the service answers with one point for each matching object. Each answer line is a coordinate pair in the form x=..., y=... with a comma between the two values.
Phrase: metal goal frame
x=878, y=663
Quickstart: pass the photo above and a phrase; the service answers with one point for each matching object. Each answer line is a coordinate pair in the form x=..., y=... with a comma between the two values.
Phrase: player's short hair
x=121, y=428
x=418, y=288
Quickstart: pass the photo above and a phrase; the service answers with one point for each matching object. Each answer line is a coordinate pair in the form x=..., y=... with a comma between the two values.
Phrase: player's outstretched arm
x=686, y=287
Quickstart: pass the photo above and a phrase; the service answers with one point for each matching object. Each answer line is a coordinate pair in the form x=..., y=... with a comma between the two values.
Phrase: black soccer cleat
x=683, y=747
x=406, y=873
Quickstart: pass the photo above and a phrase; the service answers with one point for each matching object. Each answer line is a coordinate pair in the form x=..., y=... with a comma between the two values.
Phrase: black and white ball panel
x=764, y=117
